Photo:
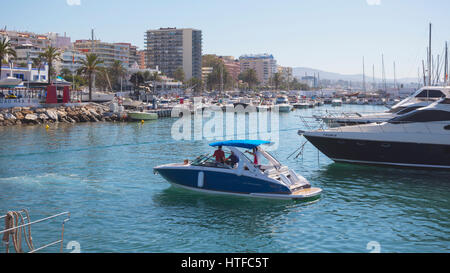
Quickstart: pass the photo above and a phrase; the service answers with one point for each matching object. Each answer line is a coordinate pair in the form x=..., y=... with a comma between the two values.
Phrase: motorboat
x=303, y=104
x=282, y=104
x=420, y=138
x=336, y=102
x=420, y=98
x=269, y=179
x=97, y=96
x=10, y=82
x=136, y=115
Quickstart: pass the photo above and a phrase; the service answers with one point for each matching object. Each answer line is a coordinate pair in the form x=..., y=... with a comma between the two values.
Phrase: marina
x=102, y=171
x=224, y=133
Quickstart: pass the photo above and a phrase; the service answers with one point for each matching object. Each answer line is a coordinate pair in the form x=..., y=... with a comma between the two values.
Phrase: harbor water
x=103, y=174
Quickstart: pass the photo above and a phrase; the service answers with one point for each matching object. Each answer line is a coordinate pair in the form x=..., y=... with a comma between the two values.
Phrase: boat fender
x=201, y=179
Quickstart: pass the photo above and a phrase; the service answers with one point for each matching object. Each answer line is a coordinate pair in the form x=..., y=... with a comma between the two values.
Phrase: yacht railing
x=12, y=233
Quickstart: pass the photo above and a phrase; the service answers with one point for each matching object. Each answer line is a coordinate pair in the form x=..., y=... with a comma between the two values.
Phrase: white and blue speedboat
x=269, y=179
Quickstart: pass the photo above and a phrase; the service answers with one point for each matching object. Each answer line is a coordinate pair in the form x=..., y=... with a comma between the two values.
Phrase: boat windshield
x=422, y=116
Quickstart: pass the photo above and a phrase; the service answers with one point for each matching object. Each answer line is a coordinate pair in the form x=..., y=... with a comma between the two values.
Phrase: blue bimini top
x=247, y=144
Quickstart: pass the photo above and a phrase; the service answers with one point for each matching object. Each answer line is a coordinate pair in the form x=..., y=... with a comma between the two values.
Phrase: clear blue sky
x=331, y=35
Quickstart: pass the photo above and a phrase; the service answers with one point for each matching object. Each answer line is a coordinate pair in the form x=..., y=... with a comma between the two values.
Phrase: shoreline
x=61, y=114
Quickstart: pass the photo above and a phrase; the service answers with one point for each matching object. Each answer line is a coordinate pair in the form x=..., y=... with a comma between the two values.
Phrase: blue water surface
x=102, y=173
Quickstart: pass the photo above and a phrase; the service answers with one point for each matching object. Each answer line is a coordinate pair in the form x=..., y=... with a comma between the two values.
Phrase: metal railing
x=10, y=231
x=316, y=123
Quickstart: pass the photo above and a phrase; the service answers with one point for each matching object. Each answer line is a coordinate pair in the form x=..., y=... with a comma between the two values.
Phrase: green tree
x=249, y=76
x=6, y=51
x=179, y=74
x=277, y=80
x=196, y=84
x=209, y=60
x=50, y=55
x=37, y=63
x=103, y=79
x=137, y=79
x=89, y=67
x=219, y=76
x=296, y=85
x=116, y=72
x=66, y=73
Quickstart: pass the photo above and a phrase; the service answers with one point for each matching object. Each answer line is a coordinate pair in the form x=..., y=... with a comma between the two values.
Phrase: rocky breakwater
x=73, y=114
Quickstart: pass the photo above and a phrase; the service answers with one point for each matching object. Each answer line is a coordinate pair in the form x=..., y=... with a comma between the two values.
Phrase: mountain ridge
x=299, y=72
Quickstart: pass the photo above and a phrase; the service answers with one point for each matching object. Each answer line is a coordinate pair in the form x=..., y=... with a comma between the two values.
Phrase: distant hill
x=324, y=75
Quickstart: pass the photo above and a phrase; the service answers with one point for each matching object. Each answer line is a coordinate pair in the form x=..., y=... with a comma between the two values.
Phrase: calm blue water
x=102, y=174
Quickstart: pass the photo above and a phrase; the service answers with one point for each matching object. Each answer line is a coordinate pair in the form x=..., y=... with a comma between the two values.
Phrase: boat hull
x=406, y=154
x=219, y=180
x=142, y=116
x=227, y=182
x=301, y=194
x=284, y=108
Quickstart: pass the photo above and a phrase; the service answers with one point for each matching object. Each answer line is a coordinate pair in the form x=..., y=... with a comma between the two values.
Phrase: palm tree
x=179, y=74
x=89, y=67
x=6, y=51
x=117, y=72
x=49, y=55
x=277, y=79
x=38, y=62
x=250, y=77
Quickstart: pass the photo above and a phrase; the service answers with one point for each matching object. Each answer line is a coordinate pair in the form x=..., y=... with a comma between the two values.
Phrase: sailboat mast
x=373, y=76
x=395, y=78
x=429, y=57
x=383, y=73
x=364, y=76
x=446, y=65
x=424, y=73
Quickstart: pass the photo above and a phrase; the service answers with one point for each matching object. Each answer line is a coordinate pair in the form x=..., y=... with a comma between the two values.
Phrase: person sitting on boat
x=232, y=160
x=219, y=155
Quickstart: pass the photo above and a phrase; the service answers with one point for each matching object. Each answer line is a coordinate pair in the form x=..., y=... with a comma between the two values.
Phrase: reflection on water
x=102, y=174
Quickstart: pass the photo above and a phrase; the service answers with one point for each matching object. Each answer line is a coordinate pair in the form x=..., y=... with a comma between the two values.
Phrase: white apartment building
x=265, y=66
x=169, y=49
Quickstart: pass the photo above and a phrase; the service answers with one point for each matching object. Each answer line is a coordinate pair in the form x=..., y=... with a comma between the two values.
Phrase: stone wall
x=74, y=114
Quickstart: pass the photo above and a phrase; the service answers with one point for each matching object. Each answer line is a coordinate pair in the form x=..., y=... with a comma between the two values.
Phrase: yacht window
x=447, y=127
x=408, y=109
x=423, y=116
x=430, y=94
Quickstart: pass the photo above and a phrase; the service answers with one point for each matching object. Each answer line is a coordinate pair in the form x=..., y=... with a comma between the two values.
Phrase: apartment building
x=233, y=66
x=286, y=72
x=168, y=49
x=265, y=66
x=107, y=52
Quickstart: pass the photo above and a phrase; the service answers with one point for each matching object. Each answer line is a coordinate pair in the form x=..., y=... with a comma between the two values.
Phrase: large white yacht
x=420, y=98
x=420, y=138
